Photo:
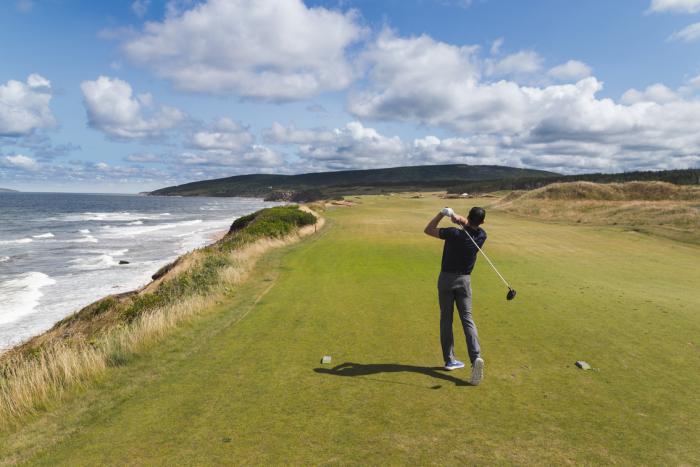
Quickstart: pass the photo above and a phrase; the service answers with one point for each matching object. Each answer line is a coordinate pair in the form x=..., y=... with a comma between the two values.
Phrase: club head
x=511, y=294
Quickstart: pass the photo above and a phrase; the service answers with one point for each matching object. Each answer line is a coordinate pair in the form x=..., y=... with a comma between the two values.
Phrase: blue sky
x=128, y=96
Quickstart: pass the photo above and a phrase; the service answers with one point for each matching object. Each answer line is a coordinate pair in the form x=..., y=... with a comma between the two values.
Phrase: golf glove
x=447, y=212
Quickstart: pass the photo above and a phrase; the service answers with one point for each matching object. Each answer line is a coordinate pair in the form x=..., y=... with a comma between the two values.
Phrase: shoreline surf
x=68, y=260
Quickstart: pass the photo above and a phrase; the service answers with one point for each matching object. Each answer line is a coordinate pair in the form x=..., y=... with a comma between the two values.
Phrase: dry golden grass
x=33, y=383
x=30, y=381
x=660, y=208
x=630, y=191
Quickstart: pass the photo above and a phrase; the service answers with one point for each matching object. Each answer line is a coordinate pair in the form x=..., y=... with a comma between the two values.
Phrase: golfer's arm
x=432, y=229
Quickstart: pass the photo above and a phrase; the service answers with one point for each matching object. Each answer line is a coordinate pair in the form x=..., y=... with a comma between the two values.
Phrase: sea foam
x=18, y=241
x=21, y=295
x=110, y=216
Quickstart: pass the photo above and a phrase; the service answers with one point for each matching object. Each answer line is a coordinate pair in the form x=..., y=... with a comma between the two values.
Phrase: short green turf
x=223, y=390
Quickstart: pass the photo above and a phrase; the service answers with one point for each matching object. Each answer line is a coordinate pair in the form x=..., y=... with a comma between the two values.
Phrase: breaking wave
x=111, y=231
x=95, y=262
x=86, y=239
x=110, y=216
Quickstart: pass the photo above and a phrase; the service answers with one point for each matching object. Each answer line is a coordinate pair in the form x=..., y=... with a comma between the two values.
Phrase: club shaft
x=486, y=256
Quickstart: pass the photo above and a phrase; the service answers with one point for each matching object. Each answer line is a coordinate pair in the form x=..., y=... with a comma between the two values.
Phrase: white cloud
x=405, y=86
x=226, y=143
x=40, y=145
x=654, y=128
x=523, y=62
x=695, y=82
x=405, y=83
x=177, y=7
x=24, y=107
x=687, y=34
x=469, y=150
x=657, y=93
x=143, y=157
x=357, y=146
x=573, y=70
x=496, y=46
x=616, y=153
x=564, y=127
x=280, y=134
x=84, y=175
x=254, y=158
x=352, y=146
x=226, y=135
x=267, y=49
x=20, y=161
x=676, y=6
x=113, y=109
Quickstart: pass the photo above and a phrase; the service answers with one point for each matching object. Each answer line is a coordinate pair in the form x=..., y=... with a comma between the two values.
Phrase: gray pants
x=456, y=288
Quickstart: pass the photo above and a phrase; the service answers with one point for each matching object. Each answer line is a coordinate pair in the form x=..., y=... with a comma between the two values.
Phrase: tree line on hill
x=349, y=182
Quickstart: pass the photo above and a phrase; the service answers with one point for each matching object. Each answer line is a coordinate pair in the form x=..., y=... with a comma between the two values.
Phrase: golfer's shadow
x=367, y=369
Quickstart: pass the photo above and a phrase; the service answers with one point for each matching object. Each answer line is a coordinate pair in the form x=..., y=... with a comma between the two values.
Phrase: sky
x=129, y=96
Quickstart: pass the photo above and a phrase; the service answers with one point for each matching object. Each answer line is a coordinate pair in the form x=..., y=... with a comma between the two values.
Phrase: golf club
x=511, y=291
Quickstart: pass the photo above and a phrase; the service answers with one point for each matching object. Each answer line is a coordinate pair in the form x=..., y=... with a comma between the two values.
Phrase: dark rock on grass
x=165, y=269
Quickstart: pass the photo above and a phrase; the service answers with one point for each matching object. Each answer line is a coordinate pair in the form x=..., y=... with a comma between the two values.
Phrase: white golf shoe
x=477, y=371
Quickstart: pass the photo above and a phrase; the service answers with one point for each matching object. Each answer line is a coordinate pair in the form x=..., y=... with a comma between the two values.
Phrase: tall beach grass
x=657, y=208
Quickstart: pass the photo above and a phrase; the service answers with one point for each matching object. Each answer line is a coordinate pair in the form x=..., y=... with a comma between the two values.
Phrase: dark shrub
x=307, y=196
x=103, y=305
x=242, y=222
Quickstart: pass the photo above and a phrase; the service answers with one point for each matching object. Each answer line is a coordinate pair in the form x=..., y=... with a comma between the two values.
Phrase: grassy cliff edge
x=108, y=332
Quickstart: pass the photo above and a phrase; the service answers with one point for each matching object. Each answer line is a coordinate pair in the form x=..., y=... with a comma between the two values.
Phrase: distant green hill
x=7, y=190
x=353, y=181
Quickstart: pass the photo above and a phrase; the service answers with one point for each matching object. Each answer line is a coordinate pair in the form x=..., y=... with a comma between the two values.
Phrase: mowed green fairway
x=224, y=390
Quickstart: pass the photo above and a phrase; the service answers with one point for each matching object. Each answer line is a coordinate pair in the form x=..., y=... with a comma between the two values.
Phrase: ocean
x=61, y=251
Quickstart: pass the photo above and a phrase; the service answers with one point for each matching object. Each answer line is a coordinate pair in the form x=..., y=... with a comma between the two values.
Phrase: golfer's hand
x=457, y=219
x=447, y=212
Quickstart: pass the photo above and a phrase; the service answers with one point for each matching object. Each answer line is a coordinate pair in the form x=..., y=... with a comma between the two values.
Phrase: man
x=454, y=284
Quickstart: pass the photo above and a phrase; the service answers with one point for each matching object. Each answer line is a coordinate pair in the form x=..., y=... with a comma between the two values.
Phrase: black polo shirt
x=459, y=252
